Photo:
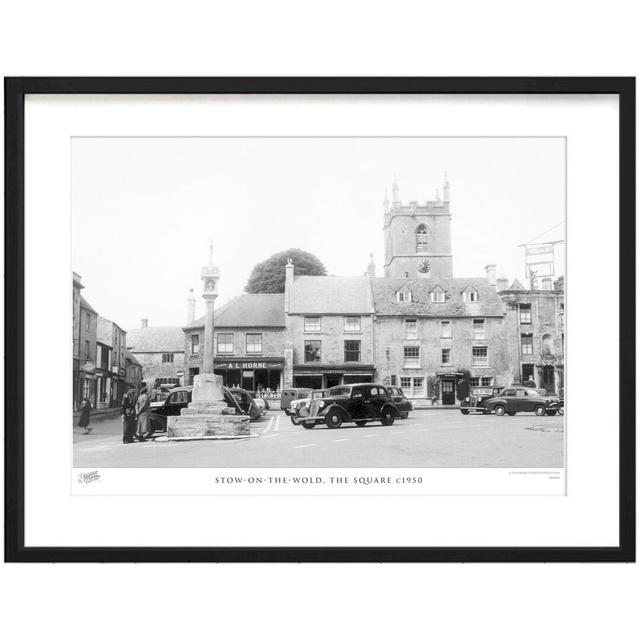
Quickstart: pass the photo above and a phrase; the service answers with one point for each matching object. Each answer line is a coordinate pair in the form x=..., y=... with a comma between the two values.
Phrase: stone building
x=534, y=328
x=329, y=337
x=160, y=351
x=249, y=342
x=87, y=326
x=110, y=362
x=430, y=332
x=417, y=237
x=133, y=371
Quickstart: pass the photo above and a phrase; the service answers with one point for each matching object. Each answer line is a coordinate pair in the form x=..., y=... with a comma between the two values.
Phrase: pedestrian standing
x=85, y=416
x=129, y=417
x=143, y=404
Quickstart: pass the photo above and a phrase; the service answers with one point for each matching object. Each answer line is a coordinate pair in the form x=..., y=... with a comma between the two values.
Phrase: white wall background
x=331, y=38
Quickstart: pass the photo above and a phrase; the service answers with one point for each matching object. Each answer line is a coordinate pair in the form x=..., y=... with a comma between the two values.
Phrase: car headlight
x=466, y=399
x=320, y=404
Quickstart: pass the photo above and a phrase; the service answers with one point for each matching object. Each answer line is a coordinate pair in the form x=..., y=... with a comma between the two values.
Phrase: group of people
x=136, y=426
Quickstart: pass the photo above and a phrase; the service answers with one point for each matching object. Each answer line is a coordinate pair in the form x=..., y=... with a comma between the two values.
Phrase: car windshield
x=339, y=391
x=319, y=394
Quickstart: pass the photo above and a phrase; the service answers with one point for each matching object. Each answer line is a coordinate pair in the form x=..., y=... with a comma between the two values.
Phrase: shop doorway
x=448, y=392
x=527, y=371
x=267, y=379
x=332, y=380
x=549, y=379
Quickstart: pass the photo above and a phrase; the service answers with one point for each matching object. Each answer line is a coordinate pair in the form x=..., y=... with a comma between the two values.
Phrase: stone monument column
x=208, y=417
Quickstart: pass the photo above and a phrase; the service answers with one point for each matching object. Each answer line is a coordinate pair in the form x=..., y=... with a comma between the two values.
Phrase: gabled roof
x=248, y=310
x=386, y=302
x=331, y=295
x=155, y=340
x=86, y=305
x=104, y=332
x=517, y=286
x=130, y=356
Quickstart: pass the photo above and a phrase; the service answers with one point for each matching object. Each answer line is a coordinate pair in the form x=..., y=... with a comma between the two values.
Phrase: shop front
x=255, y=374
x=323, y=376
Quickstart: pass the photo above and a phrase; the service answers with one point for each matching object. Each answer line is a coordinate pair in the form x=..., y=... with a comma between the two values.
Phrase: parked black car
x=299, y=409
x=514, y=399
x=477, y=399
x=179, y=398
x=359, y=403
x=401, y=401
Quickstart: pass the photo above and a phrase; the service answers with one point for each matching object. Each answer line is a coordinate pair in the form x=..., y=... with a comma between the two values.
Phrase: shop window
x=195, y=344
x=167, y=358
x=445, y=329
x=446, y=356
x=525, y=314
x=312, y=324
x=479, y=356
x=254, y=343
x=526, y=344
x=412, y=357
x=352, y=351
x=474, y=382
x=225, y=343
x=411, y=329
x=478, y=329
x=487, y=381
x=352, y=324
x=312, y=350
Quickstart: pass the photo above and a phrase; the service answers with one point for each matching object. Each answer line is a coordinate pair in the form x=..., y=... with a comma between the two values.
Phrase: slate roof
x=104, y=332
x=248, y=310
x=155, y=340
x=86, y=305
x=386, y=302
x=331, y=294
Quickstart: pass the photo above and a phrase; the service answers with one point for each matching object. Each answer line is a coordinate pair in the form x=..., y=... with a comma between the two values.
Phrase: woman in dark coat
x=129, y=417
x=85, y=416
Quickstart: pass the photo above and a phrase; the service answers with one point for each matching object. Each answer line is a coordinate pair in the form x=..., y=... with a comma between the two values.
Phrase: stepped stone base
x=207, y=417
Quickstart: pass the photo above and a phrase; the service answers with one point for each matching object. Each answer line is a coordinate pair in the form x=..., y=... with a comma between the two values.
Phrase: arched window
x=547, y=345
x=422, y=234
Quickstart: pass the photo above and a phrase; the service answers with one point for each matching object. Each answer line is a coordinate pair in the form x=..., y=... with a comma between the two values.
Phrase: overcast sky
x=144, y=209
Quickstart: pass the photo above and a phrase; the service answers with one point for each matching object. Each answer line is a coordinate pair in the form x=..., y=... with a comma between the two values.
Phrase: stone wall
x=153, y=367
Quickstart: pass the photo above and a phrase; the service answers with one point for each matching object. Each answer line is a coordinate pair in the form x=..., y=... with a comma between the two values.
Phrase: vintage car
x=401, y=401
x=300, y=408
x=515, y=399
x=178, y=398
x=477, y=398
x=358, y=403
x=289, y=395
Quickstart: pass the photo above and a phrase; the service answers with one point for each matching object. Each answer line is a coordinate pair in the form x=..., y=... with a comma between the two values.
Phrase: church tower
x=417, y=237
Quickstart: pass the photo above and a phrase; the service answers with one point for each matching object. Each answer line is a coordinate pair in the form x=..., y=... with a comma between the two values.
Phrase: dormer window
x=437, y=295
x=404, y=296
x=470, y=295
x=421, y=239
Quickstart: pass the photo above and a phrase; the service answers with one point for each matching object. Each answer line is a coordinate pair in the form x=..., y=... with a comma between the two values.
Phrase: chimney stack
x=288, y=283
x=144, y=324
x=191, y=307
x=371, y=267
x=502, y=284
x=490, y=271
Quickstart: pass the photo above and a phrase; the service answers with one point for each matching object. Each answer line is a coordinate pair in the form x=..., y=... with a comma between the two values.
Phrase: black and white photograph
x=318, y=302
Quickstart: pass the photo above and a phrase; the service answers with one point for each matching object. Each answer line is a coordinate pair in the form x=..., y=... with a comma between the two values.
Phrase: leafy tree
x=268, y=276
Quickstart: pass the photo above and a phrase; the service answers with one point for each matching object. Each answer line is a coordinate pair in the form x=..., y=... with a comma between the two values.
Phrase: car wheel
x=464, y=412
x=387, y=417
x=308, y=425
x=405, y=415
x=360, y=423
x=561, y=411
x=294, y=419
x=540, y=410
x=500, y=410
x=551, y=412
x=334, y=420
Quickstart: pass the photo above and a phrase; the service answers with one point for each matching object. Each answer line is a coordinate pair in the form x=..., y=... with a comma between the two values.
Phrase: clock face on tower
x=424, y=266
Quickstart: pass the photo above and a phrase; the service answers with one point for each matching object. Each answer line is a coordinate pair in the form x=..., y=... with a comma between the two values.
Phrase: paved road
x=428, y=438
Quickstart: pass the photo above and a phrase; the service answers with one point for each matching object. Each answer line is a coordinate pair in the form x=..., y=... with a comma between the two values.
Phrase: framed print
x=320, y=319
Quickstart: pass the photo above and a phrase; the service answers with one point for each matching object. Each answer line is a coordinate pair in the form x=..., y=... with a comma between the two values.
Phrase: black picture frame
x=15, y=91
